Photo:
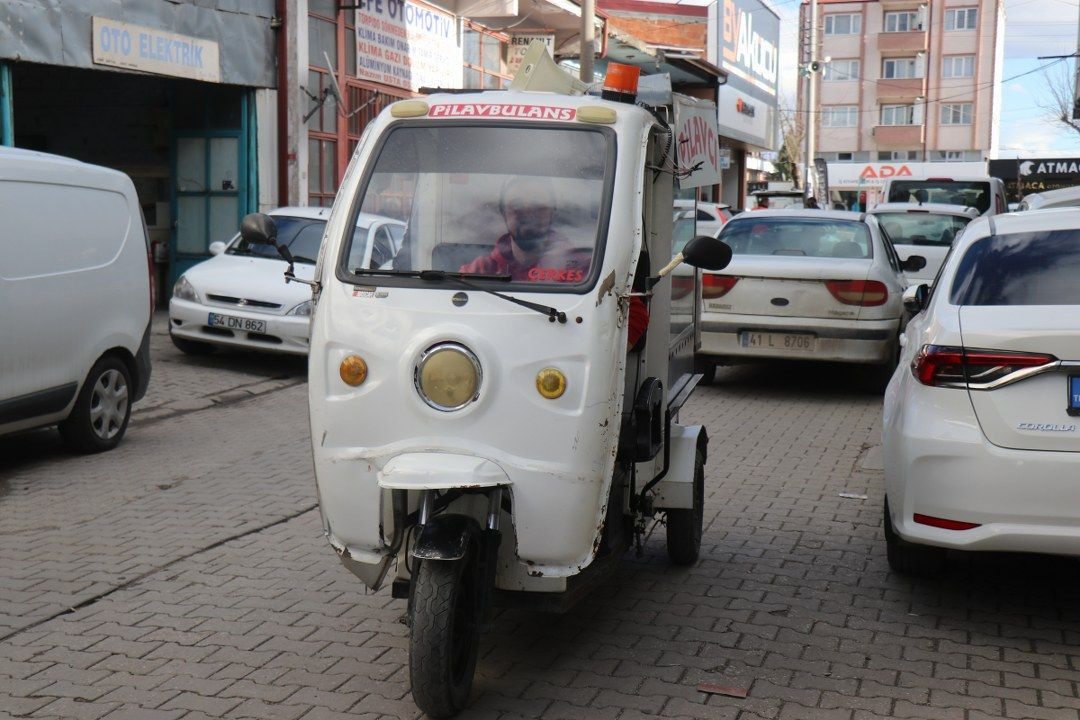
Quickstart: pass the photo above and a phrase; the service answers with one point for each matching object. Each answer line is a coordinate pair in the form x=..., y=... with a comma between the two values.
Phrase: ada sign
x=407, y=45
x=697, y=143
x=134, y=47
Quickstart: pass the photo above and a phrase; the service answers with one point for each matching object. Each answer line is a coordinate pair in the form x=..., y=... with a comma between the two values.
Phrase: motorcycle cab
x=483, y=432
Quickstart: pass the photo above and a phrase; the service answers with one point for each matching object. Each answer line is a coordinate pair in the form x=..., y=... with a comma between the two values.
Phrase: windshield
x=972, y=193
x=525, y=202
x=1035, y=268
x=302, y=236
x=919, y=228
x=681, y=233
x=808, y=237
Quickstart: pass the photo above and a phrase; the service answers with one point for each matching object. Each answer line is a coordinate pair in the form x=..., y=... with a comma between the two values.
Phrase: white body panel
x=934, y=254
x=557, y=455
x=74, y=280
x=959, y=453
x=784, y=297
x=1061, y=198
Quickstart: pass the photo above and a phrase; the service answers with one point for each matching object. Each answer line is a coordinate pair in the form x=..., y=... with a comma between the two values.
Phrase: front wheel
x=445, y=634
x=100, y=416
x=684, y=526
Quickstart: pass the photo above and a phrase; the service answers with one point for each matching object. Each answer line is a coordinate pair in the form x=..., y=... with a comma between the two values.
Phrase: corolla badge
x=1046, y=427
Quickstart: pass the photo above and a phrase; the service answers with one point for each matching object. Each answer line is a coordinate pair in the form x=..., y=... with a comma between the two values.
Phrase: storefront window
x=485, y=58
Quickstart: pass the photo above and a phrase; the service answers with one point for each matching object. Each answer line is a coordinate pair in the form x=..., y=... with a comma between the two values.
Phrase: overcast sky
x=1032, y=28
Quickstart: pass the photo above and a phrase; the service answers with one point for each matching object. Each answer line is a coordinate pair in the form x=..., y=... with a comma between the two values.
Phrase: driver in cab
x=531, y=250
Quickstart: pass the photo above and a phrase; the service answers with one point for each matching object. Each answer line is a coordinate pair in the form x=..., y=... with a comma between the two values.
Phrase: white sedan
x=981, y=430
x=239, y=297
x=927, y=230
x=805, y=284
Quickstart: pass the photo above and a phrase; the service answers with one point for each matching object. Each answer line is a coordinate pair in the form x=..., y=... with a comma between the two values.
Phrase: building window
x=897, y=68
x=956, y=156
x=961, y=18
x=895, y=155
x=903, y=21
x=843, y=24
x=839, y=116
x=485, y=58
x=840, y=71
x=958, y=66
x=956, y=114
x=898, y=115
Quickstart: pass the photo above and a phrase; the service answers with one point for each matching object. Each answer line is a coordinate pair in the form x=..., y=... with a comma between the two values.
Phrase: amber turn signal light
x=353, y=370
x=551, y=383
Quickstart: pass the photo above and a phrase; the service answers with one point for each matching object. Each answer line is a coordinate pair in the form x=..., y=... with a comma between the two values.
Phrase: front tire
x=102, y=410
x=445, y=634
x=684, y=526
x=908, y=558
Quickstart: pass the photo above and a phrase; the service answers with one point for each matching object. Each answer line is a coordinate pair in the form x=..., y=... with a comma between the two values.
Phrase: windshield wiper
x=552, y=314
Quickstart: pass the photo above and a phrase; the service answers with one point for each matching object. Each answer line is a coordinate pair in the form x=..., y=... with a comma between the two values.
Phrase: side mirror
x=915, y=298
x=258, y=229
x=913, y=263
x=216, y=248
x=707, y=253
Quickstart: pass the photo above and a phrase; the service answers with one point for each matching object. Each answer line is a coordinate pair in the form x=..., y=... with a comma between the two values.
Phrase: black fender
x=446, y=537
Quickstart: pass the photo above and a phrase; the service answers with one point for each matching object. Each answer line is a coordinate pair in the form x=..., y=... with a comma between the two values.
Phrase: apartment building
x=905, y=85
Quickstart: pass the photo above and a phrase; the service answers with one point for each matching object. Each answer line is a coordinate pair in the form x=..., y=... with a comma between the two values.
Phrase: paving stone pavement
x=792, y=598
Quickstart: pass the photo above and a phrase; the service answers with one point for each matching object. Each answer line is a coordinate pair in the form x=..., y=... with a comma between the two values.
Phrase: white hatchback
x=927, y=230
x=981, y=429
x=239, y=297
x=808, y=285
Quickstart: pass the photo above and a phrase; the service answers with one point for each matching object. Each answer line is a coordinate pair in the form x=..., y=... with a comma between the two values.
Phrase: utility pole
x=811, y=101
x=1076, y=84
x=588, y=40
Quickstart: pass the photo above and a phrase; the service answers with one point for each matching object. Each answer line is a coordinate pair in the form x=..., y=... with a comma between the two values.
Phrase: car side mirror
x=913, y=263
x=703, y=251
x=915, y=298
x=216, y=248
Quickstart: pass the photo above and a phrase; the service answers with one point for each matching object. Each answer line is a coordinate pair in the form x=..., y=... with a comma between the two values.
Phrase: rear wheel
x=191, y=347
x=908, y=558
x=685, y=525
x=706, y=366
x=101, y=413
x=445, y=634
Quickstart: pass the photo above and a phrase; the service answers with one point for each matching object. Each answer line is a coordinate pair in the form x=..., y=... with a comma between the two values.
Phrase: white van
x=986, y=194
x=75, y=298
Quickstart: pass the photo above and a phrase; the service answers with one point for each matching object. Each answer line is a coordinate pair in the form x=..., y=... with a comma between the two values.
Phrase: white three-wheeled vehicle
x=486, y=428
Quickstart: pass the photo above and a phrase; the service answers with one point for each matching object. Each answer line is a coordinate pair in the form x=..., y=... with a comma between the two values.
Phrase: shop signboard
x=407, y=45
x=519, y=45
x=744, y=40
x=697, y=143
x=1024, y=176
x=851, y=175
x=134, y=47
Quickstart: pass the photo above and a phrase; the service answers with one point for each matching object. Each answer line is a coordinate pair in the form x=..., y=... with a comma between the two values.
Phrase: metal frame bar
x=7, y=105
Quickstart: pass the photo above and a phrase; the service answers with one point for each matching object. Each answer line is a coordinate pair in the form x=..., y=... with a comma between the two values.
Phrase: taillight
x=681, y=286
x=715, y=286
x=865, y=293
x=941, y=366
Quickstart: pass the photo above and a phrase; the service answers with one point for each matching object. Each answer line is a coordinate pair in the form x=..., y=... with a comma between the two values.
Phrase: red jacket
x=561, y=262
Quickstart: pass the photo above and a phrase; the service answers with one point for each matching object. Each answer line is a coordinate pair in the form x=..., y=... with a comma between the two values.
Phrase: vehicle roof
x=323, y=213
x=951, y=178
x=800, y=213
x=683, y=202
x=938, y=208
x=779, y=193
x=1067, y=218
x=1052, y=195
x=58, y=162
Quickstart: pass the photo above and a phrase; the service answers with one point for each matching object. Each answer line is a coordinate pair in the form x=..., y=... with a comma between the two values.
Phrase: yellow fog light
x=448, y=376
x=353, y=370
x=551, y=383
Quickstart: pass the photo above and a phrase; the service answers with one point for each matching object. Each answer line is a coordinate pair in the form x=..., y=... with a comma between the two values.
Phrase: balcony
x=898, y=136
x=889, y=89
x=902, y=43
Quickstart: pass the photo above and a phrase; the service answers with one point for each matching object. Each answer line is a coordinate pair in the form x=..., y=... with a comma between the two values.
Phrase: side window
x=702, y=215
x=890, y=251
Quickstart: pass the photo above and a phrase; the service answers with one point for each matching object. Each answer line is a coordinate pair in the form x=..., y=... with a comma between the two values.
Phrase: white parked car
x=927, y=230
x=984, y=193
x=239, y=297
x=76, y=297
x=710, y=216
x=1062, y=197
x=805, y=284
x=981, y=427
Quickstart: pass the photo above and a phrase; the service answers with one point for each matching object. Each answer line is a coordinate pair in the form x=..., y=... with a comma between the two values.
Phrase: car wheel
x=908, y=558
x=878, y=376
x=192, y=347
x=102, y=410
x=706, y=366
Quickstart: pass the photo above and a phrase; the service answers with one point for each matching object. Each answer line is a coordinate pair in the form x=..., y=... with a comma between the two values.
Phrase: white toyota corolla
x=807, y=285
x=981, y=427
x=239, y=297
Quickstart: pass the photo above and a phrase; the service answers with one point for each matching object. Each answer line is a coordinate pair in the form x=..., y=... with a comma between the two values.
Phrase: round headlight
x=448, y=376
x=551, y=383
